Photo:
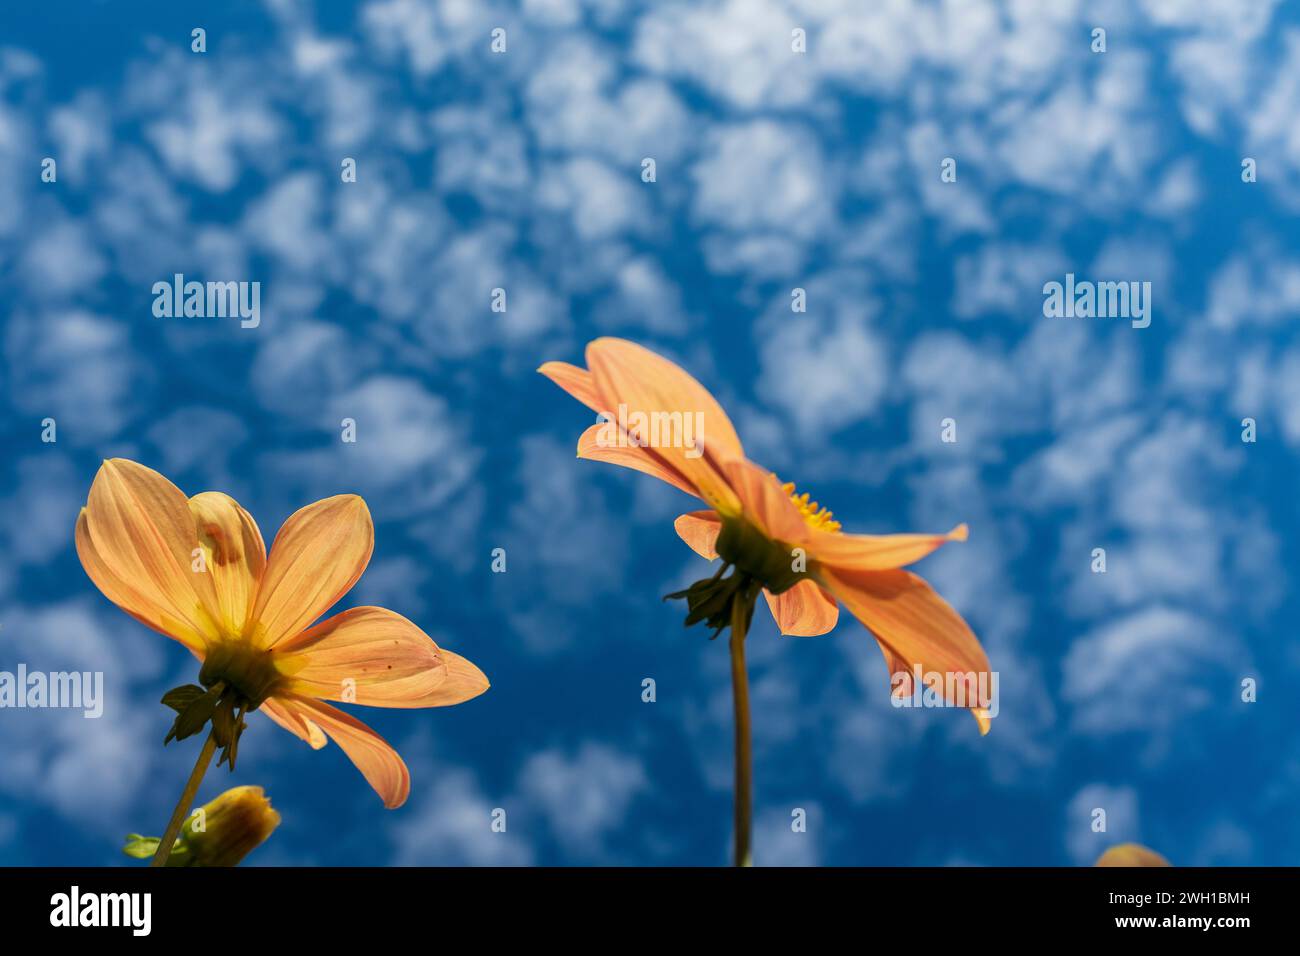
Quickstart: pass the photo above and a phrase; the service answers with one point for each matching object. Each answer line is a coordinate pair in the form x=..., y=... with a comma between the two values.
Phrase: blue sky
x=775, y=170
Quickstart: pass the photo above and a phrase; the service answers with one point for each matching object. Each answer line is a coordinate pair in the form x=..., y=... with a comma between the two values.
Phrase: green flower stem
x=183, y=804
x=744, y=808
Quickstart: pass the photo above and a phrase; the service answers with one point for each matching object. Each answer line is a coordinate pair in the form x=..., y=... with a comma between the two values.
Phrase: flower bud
x=219, y=833
x=223, y=832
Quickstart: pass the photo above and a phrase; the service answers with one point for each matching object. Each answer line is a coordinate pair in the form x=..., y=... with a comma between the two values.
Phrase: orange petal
x=146, y=611
x=137, y=541
x=900, y=676
x=917, y=627
x=765, y=503
x=317, y=556
x=464, y=681
x=376, y=657
x=804, y=610
x=289, y=717
x=596, y=444
x=576, y=381
x=902, y=684
x=634, y=382
x=700, y=530
x=379, y=763
x=234, y=555
x=877, y=552
x=1131, y=854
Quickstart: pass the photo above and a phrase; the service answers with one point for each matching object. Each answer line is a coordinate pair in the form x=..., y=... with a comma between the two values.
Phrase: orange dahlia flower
x=659, y=420
x=196, y=570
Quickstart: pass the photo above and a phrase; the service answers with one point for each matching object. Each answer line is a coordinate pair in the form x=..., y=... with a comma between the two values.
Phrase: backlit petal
x=290, y=717
x=379, y=763
x=376, y=657
x=137, y=541
x=595, y=444
x=318, y=555
x=635, y=384
x=464, y=681
x=700, y=530
x=234, y=555
x=804, y=610
x=765, y=503
x=872, y=552
x=918, y=627
x=147, y=612
x=576, y=381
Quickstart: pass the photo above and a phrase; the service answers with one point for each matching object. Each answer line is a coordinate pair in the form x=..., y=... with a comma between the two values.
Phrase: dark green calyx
x=219, y=706
x=716, y=600
x=250, y=673
x=236, y=679
x=769, y=562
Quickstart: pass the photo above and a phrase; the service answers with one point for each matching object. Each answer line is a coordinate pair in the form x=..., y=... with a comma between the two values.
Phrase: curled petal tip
x=959, y=533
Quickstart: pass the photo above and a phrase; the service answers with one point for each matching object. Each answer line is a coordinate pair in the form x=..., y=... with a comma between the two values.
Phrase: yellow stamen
x=814, y=515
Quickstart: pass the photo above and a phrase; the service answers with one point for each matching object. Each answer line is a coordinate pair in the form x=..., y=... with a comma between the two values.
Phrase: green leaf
x=178, y=698
x=141, y=847
x=194, y=717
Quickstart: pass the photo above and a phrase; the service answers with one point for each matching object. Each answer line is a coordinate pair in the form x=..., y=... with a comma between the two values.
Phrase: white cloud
x=76, y=367
x=1147, y=672
x=301, y=367
x=575, y=102
x=425, y=36
x=1256, y=288
x=585, y=795
x=764, y=176
x=484, y=154
x=62, y=260
x=601, y=201
x=410, y=452
x=1005, y=279
x=738, y=49
x=284, y=222
x=91, y=771
x=825, y=368
x=452, y=826
x=211, y=134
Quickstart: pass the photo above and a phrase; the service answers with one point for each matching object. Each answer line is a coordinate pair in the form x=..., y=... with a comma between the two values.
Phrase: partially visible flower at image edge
x=1131, y=854
x=196, y=570
x=755, y=522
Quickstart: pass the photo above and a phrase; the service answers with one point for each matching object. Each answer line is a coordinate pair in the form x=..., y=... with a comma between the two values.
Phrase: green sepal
x=144, y=848
x=228, y=726
x=194, y=717
x=759, y=557
x=714, y=600
x=141, y=847
x=178, y=698
x=223, y=723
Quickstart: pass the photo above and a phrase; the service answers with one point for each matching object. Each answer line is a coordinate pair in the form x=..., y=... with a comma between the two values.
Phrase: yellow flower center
x=814, y=515
x=778, y=565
